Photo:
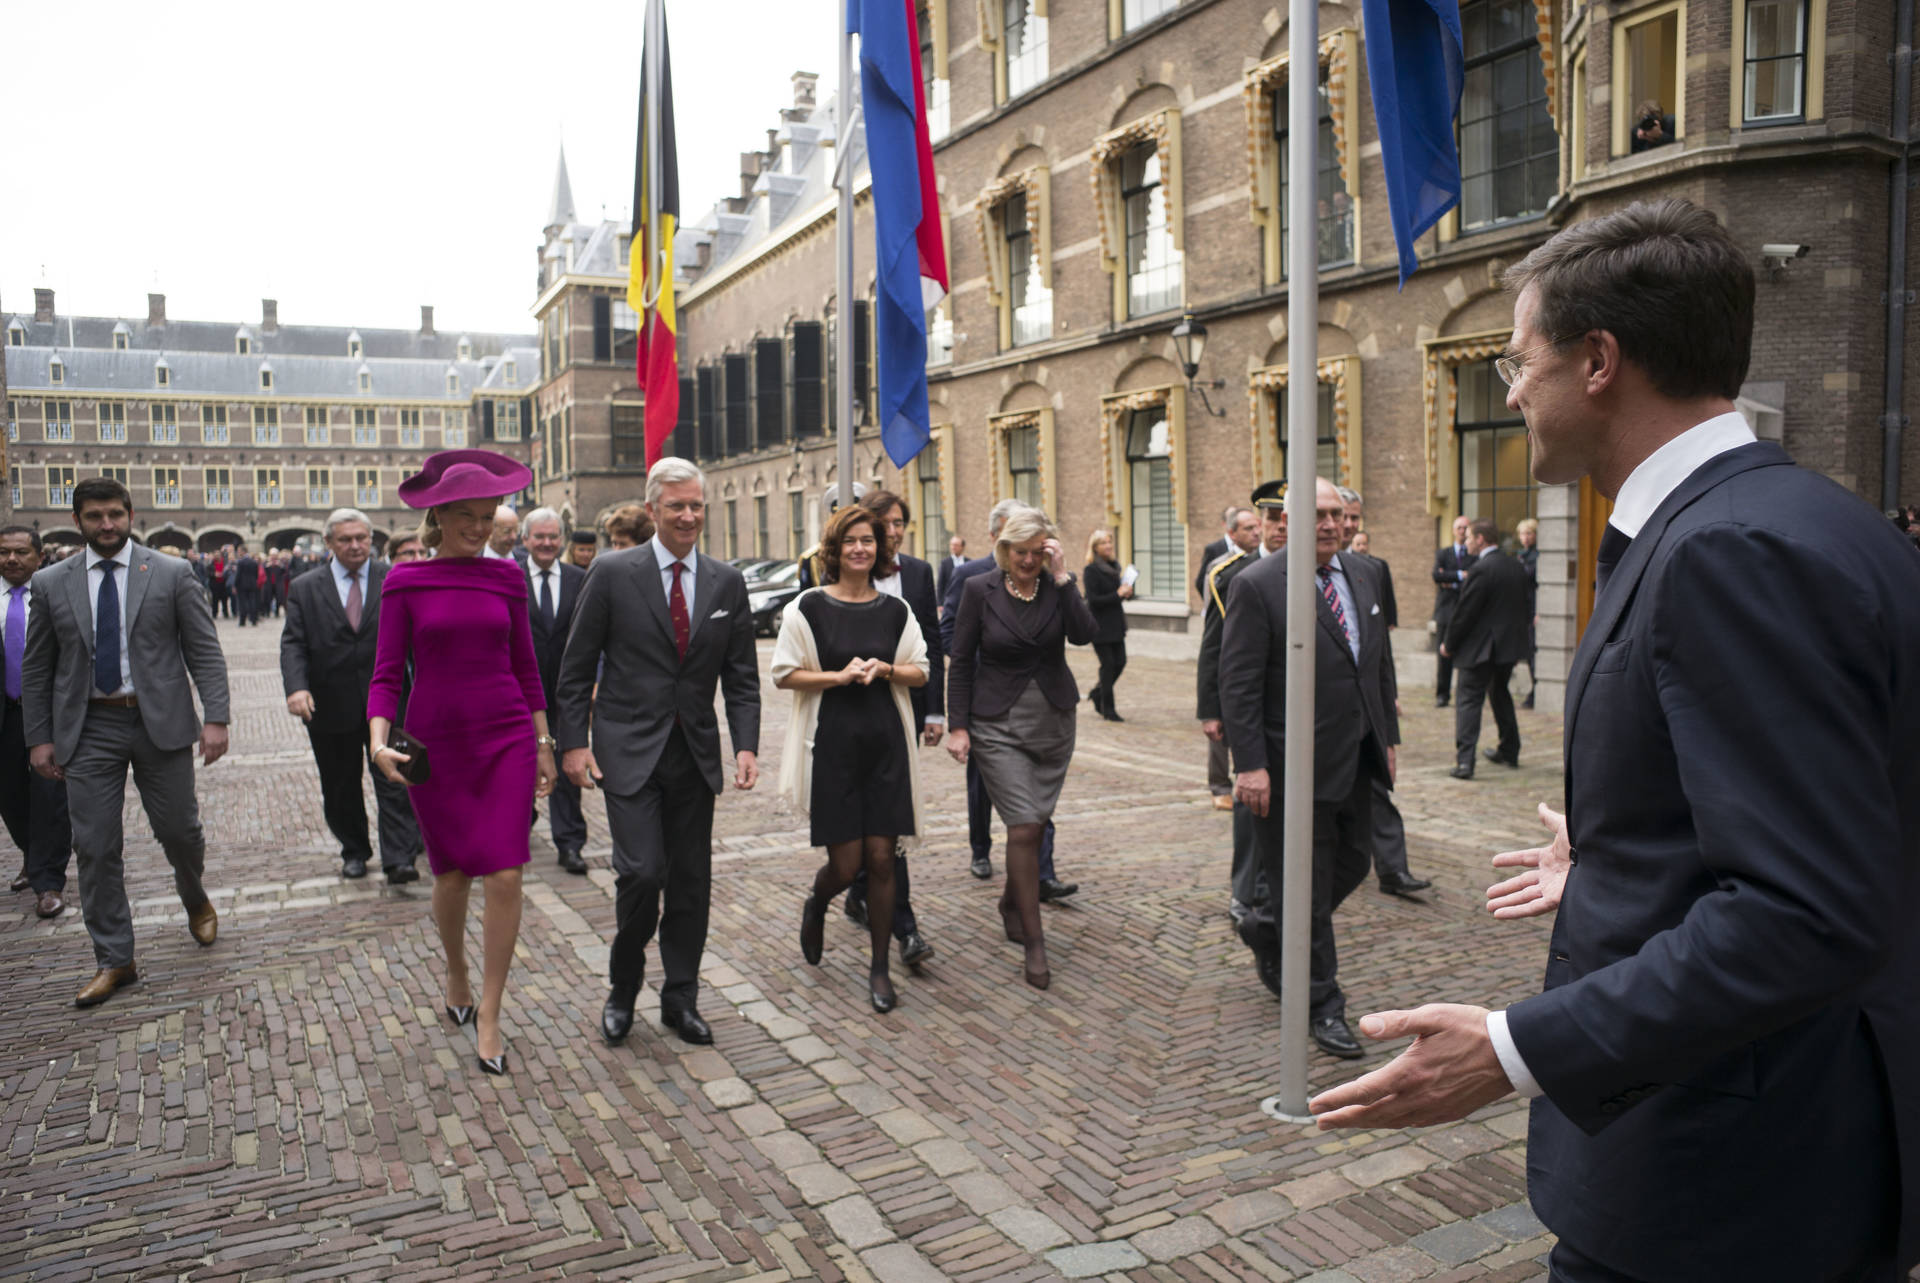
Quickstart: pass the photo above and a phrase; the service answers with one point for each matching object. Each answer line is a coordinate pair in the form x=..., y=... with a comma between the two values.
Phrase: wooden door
x=1595, y=508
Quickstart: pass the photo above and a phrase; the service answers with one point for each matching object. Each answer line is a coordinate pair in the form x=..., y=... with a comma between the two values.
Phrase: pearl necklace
x=1020, y=595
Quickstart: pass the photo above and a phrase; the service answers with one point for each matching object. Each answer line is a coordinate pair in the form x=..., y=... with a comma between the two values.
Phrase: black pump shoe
x=495, y=1065
x=813, y=928
x=880, y=990
x=461, y=1015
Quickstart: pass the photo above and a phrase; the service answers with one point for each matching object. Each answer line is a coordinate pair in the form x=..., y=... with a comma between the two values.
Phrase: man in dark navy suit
x=1449, y=572
x=1725, y=1063
x=1485, y=639
x=956, y=557
x=553, y=587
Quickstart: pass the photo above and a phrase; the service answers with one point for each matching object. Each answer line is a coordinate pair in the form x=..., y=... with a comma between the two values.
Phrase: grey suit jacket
x=170, y=635
x=645, y=687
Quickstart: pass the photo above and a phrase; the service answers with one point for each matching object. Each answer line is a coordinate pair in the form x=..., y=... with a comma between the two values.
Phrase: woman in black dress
x=1104, y=594
x=849, y=654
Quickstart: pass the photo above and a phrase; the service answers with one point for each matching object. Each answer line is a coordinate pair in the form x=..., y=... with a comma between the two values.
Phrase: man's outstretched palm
x=1537, y=890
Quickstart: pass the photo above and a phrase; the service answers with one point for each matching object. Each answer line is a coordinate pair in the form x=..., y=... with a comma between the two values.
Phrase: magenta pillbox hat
x=450, y=476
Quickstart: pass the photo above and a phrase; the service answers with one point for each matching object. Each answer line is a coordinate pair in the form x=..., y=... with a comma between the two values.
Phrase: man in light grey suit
x=114, y=635
x=670, y=626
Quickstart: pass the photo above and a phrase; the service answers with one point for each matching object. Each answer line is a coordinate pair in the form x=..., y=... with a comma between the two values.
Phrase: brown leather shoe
x=50, y=905
x=21, y=881
x=101, y=987
x=204, y=923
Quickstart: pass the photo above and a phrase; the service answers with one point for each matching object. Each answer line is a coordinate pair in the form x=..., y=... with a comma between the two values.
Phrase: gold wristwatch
x=546, y=741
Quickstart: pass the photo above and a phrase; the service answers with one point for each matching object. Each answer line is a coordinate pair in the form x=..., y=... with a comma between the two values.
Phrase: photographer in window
x=1654, y=127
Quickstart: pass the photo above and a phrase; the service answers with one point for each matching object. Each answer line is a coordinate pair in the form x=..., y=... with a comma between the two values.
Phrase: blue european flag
x=1415, y=65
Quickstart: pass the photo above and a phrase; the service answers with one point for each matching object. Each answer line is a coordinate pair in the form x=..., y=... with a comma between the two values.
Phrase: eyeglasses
x=1509, y=367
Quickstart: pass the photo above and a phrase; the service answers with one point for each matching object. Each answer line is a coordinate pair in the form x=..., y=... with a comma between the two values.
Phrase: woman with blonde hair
x=1012, y=699
x=1105, y=592
x=850, y=653
x=476, y=707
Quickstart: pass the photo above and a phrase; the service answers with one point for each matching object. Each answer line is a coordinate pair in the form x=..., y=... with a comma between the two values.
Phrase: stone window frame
x=1441, y=359
x=326, y=501
x=1036, y=184
x=1000, y=466
x=210, y=486
x=1103, y=171
x=943, y=444
x=1117, y=18
x=1448, y=228
x=993, y=40
x=942, y=52
x=1340, y=56
x=162, y=490
x=1269, y=382
x=1115, y=410
x=361, y=491
x=263, y=486
x=1813, y=101
x=1621, y=133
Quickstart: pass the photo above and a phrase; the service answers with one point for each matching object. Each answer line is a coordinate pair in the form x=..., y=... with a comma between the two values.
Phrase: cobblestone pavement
x=291, y=1103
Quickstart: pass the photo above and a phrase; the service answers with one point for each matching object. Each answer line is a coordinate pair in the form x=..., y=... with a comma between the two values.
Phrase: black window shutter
x=737, y=397
x=769, y=392
x=862, y=366
x=686, y=425
x=808, y=346
x=706, y=379
x=602, y=328
x=486, y=421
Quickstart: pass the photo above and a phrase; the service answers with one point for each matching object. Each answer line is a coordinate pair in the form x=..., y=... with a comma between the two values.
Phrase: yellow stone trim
x=1265, y=385
x=1440, y=395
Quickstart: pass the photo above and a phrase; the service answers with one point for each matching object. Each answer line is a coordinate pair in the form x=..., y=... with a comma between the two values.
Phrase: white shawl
x=796, y=651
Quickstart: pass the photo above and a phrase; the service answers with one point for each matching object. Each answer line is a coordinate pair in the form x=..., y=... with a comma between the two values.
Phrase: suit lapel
x=1364, y=600
x=77, y=597
x=706, y=582
x=1626, y=576
x=139, y=571
x=370, y=612
x=648, y=569
x=330, y=596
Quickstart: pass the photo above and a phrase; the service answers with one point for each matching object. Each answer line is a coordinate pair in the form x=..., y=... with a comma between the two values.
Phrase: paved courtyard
x=291, y=1103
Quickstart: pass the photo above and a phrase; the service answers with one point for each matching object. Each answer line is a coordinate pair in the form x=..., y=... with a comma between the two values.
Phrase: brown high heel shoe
x=1038, y=979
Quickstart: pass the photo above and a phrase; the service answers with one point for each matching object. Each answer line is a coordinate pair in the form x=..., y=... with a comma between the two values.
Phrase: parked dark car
x=750, y=566
x=768, y=597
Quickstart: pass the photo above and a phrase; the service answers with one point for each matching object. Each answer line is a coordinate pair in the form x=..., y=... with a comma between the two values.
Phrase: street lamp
x=1190, y=342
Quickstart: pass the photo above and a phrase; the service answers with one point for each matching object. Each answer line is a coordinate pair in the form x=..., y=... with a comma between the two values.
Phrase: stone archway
x=214, y=538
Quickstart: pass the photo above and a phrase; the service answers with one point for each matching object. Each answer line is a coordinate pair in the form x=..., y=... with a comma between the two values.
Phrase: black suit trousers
x=342, y=759
x=564, y=817
x=246, y=603
x=35, y=809
x=663, y=847
x=1342, y=854
x=1484, y=684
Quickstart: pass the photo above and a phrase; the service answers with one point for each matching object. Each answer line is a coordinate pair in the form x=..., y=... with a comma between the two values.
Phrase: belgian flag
x=656, y=204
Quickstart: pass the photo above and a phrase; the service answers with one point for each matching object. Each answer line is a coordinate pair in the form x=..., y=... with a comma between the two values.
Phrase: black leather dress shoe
x=353, y=867
x=616, y=1018
x=1267, y=963
x=1331, y=1035
x=914, y=950
x=1055, y=889
x=1494, y=755
x=1462, y=772
x=1404, y=884
x=401, y=874
x=982, y=867
x=572, y=862
x=857, y=911
x=1441, y=702
x=686, y=1022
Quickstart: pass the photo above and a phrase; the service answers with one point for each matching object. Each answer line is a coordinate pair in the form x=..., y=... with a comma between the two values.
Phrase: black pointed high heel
x=813, y=925
x=461, y=1015
x=880, y=991
x=495, y=1065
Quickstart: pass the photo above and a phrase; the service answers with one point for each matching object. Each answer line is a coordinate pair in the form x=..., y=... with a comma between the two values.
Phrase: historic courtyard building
x=228, y=431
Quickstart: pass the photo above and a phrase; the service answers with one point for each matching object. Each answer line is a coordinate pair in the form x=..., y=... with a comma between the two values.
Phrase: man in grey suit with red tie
x=1725, y=1060
x=671, y=626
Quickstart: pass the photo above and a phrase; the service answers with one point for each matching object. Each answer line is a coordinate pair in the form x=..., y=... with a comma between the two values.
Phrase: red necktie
x=677, y=610
x=354, y=601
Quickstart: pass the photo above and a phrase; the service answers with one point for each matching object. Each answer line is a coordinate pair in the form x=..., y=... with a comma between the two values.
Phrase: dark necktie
x=677, y=611
x=1333, y=604
x=546, y=596
x=16, y=638
x=354, y=601
x=106, y=631
x=1613, y=546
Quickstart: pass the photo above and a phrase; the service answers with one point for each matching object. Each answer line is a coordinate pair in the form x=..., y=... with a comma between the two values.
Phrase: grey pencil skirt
x=1024, y=755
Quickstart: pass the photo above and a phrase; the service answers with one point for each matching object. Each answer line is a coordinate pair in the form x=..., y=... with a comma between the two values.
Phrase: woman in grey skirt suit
x=1012, y=699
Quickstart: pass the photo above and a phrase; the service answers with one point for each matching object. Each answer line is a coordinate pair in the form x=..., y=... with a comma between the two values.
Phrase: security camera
x=1784, y=252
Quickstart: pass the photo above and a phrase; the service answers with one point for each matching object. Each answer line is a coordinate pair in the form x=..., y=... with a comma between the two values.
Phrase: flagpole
x=657, y=267
x=843, y=266
x=1303, y=415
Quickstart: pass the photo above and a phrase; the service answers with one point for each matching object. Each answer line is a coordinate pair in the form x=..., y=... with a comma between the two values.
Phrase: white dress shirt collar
x=666, y=559
x=124, y=556
x=1661, y=472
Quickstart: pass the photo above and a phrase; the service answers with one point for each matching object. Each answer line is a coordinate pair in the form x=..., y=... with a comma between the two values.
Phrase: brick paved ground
x=290, y=1103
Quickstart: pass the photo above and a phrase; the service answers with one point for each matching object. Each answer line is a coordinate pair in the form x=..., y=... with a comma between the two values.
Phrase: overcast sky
x=355, y=160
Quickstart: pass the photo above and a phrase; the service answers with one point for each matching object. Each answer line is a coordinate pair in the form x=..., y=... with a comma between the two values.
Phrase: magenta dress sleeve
x=390, y=656
x=525, y=666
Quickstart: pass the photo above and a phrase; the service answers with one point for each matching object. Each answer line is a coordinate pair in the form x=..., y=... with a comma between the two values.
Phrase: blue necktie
x=106, y=632
x=16, y=638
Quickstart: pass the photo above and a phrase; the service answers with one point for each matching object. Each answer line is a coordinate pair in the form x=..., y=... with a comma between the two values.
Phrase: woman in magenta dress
x=477, y=708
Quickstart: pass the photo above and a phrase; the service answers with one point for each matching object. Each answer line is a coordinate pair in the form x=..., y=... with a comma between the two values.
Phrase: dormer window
x=122, y=337
x=162, y=373
x=366, y=379
x=466, y=348
x=354, y=345
x=242, y=344
x=508, y=372
x=453, y=383
x=266, y=377
x=16, y=334
x=56, y=372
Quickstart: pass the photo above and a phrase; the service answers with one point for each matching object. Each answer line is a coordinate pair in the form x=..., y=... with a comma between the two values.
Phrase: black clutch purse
x=415, y=770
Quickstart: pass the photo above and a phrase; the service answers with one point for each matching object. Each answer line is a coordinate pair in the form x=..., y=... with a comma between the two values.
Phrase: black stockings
x=1021, y=900
x=844, y=860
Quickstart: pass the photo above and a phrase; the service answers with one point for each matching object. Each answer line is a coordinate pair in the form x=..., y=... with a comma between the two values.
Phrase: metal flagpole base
x=1271, y=1108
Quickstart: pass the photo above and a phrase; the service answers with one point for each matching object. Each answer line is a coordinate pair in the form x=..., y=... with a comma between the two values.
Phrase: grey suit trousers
x=110, y=740
x=1389, y=834
x=1219, y=772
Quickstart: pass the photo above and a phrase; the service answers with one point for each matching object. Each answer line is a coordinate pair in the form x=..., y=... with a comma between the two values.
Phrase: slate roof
x=286, y=340
x=225, y=374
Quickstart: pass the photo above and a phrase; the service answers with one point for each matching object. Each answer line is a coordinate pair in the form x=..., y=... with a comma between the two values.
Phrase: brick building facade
x=226, y=432
x=1108, y=166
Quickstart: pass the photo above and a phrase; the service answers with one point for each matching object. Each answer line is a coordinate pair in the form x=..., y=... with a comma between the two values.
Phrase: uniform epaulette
x=1213, y=578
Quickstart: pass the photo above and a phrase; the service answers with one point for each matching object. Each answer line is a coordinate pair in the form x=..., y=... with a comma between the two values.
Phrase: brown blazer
x=999, y=645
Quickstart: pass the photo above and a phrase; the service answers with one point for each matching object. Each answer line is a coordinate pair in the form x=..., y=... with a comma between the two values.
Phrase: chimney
x=426, y=321
x=269, y=315
x=156, y=309
x=42, y=304
x=805, y=85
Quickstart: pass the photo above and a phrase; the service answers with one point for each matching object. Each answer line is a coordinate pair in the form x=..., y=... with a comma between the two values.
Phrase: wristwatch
x=546, y=741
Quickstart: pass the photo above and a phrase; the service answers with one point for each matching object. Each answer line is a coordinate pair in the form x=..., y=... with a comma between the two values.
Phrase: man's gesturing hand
x=579, y=766
x=746, y=770
x=1537, y=890
x=1254, y=790
x=1449, y=1071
